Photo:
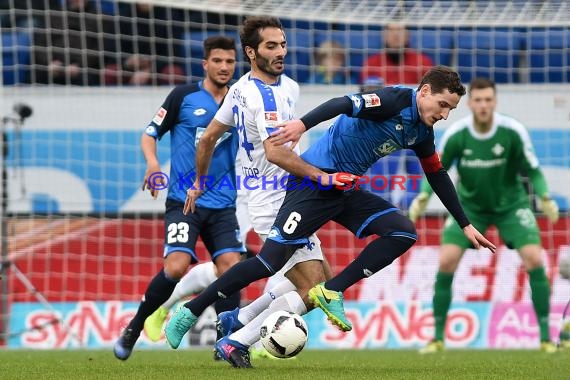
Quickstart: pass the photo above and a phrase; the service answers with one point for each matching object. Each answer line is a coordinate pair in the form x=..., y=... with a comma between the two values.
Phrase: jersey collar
x=487, y=135
x=278, y=83
x=411, y=115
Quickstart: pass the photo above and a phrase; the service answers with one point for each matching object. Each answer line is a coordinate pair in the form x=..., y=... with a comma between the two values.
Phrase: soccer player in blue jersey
x=371, y=126
x=186, y=113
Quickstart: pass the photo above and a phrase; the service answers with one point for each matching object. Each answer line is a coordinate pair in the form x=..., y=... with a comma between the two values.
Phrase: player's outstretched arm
x=204, y=153
x=477, y=239
x=291, y=131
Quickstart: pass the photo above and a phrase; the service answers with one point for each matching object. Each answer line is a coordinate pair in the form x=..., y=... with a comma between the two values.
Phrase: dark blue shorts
x=218, y=229
x=307, y=208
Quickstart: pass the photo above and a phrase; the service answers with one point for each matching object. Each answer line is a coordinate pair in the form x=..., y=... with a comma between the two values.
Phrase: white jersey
x=255, y=108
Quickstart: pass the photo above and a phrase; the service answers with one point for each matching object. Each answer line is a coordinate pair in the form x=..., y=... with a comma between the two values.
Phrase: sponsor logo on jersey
x=200, y=112
x=159, y=116
x=482, y=164
x=271, y=116
x=498, y=149
x=467, y=152
x=371, y=100
x=386, y=148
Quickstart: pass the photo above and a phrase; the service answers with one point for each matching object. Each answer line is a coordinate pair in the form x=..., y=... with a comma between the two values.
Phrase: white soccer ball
x=564, y=268
x=283, y=334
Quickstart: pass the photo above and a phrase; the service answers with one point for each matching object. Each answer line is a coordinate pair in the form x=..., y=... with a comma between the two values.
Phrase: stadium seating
x=491, y=53
x=15, y=58
x=505, y=55
x=299, y=59
x=437, y=44
x=548, y=55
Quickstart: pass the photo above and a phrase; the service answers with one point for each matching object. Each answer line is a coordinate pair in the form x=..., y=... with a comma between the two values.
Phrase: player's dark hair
x=481, y=83
x=441, y=78
x=251, y=28
x=218, y=42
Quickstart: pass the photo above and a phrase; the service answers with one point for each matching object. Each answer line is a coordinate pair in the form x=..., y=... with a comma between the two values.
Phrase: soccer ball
x=564, y=268
x=283, y=334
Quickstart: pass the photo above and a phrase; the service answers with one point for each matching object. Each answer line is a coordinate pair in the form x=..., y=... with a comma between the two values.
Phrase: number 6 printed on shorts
x=292, y=222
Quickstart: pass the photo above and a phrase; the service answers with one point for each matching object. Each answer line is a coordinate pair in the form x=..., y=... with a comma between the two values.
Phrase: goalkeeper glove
x=418, y=206
x=550, y=209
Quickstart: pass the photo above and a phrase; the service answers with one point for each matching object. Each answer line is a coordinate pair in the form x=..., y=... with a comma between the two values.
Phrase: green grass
x=311, y=364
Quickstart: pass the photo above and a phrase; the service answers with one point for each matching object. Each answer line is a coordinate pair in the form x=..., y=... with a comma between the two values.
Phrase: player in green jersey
x=490, y=151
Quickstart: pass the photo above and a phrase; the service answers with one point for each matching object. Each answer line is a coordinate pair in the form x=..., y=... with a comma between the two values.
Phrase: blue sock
x=158, y=291
x=378, y=254
x=233, y=280
x=227, y=304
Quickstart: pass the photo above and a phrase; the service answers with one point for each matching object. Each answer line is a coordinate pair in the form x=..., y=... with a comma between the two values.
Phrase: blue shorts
x=307, y=208
x=218, y=229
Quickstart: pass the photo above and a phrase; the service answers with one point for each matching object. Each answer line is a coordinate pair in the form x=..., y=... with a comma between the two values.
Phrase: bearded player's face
x=271, y=51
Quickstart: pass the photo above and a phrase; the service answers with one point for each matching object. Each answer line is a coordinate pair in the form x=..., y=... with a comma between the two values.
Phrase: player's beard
x=218, y=83
x=264, y=64
x=218, y=80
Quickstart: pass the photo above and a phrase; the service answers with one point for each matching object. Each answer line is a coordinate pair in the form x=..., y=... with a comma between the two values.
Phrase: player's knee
x=394, y=224
x=176, y=264
x=448, y=265
x=274, y=255
x=533, y=264
x=449, y=258
x=531, y=256
x=175, y=272
x=306, y=274
x=407, y=226
x=403, y=230
x=226, y=261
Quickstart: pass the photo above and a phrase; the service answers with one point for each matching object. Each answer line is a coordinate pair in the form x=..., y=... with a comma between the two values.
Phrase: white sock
x=249, y=334
x=247, y=313
x=197, y=279
x=274, y=280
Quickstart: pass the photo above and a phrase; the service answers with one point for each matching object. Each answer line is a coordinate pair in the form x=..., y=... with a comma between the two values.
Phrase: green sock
x=540, y=289
x=441, y=302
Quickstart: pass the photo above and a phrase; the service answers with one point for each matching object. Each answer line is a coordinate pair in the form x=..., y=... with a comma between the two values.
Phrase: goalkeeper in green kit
x=490, y=151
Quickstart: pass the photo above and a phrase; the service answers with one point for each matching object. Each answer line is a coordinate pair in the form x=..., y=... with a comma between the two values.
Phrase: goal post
x=85, y=240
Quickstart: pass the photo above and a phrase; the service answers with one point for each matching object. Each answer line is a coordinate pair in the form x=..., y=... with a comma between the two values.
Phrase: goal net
x=81, y=241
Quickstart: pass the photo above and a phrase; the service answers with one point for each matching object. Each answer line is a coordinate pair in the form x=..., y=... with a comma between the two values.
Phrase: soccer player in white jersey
x=255, y=104
x=490, y=150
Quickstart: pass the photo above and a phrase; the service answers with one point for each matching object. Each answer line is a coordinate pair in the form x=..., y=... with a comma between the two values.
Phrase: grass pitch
x=310, y=364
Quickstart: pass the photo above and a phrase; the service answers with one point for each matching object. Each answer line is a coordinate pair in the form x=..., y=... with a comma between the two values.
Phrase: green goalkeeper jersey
x=489, y=165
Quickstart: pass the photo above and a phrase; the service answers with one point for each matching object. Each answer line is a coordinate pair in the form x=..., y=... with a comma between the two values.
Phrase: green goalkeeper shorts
x=516, y=227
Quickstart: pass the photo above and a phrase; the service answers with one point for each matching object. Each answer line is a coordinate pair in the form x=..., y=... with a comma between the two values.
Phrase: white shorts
x=242, y=215
x=262, y=217
x=302, y=254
